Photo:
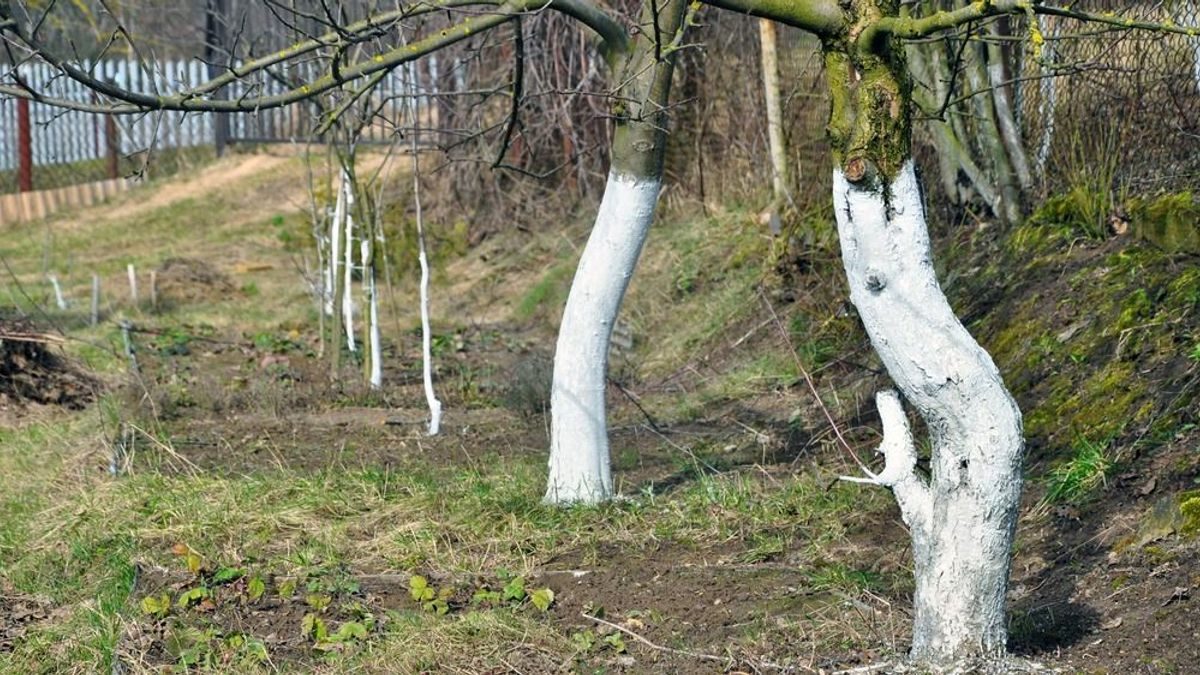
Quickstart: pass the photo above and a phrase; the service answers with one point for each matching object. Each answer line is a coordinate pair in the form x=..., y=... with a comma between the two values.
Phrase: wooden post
x=133, y=295
x=154, y=289
x=215, y=53
x=24, y=147
x=59, y=300
x=770, y=68
x=112, y=145
x=95, y=299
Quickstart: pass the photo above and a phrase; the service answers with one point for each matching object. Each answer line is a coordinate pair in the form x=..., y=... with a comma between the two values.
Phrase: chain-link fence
x=1114, y=105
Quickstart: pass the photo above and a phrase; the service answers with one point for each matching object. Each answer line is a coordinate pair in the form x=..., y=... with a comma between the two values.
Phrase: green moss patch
x=1094, y=339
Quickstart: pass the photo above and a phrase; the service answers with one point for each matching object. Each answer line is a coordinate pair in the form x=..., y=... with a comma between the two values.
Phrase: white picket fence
x=64, y=136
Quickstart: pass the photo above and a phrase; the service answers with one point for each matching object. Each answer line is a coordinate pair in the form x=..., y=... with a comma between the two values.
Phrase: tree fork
x=870, y=123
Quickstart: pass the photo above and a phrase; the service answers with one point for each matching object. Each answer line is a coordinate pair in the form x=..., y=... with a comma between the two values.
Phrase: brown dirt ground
x=34, y=374
x=1075, y=603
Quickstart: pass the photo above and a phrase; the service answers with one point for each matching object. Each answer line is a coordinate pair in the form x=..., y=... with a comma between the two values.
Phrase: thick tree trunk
x=579, y=456
x=580, y=470
x=963, y=518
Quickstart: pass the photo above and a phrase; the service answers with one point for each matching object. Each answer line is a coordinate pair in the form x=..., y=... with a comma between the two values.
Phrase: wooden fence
x=43, y=147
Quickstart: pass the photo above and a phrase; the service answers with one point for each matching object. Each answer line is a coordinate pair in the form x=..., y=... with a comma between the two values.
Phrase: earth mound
x=188, y=280
x=31, y=371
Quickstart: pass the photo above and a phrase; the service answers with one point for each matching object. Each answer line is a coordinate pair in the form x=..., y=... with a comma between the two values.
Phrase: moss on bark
x=870, y=124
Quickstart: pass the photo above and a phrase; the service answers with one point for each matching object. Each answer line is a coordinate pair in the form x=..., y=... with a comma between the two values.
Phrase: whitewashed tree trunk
x=580, y=469
x=374, y=340
x=59, y=300
x=963, y=518
x=348, y=264
x=435, y=406
x=132, y=274
x=335, y=254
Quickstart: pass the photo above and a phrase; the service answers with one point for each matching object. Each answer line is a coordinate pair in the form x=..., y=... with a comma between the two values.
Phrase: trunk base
x=1004, y=665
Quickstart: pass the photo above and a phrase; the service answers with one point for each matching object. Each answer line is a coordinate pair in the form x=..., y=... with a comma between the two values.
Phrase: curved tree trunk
x=963, y=519
x=579, y=456
x=580, y=469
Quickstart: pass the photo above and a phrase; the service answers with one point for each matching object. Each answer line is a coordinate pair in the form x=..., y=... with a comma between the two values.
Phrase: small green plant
x=313, y=626
x=616, y=642
x=173, y=342
x=156, y=606
x=584, y=641
x=1195, y=353
x=192, y=596
x=1073, y=480
x=431, y=598
x=255, y=588
x=275, y=344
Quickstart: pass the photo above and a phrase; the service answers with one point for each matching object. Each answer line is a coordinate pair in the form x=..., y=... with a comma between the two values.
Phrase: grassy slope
x=736, y=541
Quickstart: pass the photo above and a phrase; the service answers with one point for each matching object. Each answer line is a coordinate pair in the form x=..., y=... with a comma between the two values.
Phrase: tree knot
x=856, y=169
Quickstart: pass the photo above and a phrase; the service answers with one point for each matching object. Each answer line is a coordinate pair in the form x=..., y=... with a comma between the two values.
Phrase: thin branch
x=909, y=28
x=193, y=99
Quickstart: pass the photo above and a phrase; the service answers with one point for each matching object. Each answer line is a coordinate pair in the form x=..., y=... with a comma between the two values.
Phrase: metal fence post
x=24, y=147
x=215, y=22
x=112, y=147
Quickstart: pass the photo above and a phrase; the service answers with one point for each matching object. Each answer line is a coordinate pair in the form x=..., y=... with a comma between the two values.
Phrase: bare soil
x=1083, y=598
x=34, y=371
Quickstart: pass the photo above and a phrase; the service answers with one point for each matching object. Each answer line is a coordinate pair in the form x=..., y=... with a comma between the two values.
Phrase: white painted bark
x=375, y=344
x=580, y=470
x=335, y=248
x=348, y=264
x=435, y=406
x=59, y=300
x=963, y=519
x=132, y=274
x=95, y=299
